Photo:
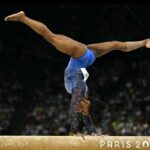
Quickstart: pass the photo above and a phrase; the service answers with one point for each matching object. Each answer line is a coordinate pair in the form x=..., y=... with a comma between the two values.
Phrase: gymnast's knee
x=118, y=45
x=46, y=33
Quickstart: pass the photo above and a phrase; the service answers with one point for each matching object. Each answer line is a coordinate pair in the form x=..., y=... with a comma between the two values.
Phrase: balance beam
x=74, y=143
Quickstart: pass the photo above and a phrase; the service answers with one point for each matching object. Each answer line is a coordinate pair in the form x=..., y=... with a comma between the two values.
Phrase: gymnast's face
x=84, y=105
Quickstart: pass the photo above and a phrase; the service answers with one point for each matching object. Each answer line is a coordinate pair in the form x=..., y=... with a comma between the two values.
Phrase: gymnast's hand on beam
x=81, y=135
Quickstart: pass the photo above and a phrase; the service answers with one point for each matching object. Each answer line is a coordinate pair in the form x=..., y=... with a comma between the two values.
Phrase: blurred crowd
x=10, y=94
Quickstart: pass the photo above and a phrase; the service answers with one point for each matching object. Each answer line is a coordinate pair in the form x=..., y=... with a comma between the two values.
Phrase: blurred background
x=33, y=100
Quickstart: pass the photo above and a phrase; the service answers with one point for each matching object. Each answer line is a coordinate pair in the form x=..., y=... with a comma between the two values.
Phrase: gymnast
x=81, y=57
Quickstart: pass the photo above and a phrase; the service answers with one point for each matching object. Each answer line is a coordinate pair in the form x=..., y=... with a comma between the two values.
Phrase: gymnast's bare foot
x=15, y=17
x=147, y=43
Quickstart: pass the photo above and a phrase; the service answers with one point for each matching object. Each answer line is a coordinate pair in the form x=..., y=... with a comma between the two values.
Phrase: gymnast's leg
x=62, y=43
x=103, y=48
